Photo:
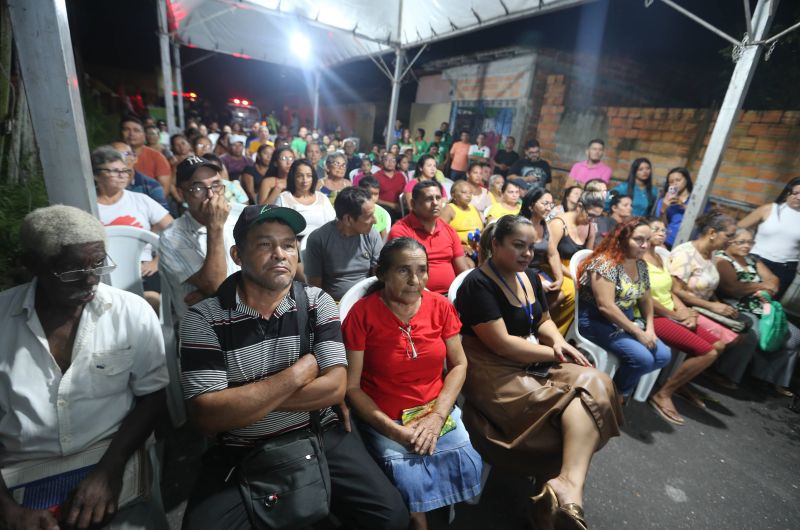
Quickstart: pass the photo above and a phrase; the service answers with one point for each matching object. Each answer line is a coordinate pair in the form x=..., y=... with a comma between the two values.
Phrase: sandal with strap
x=570, y=517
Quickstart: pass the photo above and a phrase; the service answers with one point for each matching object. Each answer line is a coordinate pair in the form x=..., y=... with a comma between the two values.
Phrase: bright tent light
x=300, y=46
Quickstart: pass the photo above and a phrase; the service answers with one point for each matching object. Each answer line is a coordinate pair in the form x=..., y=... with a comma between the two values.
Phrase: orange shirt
x=459, y=156
x=152, y=163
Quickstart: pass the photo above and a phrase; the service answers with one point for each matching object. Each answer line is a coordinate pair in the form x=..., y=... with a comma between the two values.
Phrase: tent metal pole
x=166, y=68
x=399, y=55
x=44, y=49
x=176, y=58
x=726, y=120
x=317, y=76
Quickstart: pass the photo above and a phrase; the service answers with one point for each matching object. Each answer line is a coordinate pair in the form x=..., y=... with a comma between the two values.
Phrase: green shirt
x=382, y=219
x=299, y=146
x=422, y=149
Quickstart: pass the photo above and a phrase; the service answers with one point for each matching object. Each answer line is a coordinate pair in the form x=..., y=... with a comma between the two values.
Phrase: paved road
x=734, y=466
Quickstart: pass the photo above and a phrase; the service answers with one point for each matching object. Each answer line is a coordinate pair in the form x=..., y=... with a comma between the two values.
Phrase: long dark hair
x=272, y=170
x=613, y=247
x=386, y=258
x=291, y=179
x=648, y=183
x=684, y=172
x=567, y=192
x=531, y=198
x=497, y=232
x=787, y=190
x=420, y=164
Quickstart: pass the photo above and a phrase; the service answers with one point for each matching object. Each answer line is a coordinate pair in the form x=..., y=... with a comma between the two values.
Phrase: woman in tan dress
x=533, y=403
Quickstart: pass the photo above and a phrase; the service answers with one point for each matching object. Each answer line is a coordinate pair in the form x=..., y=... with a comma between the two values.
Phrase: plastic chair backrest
x=402, y=204
x=125, y=246
x=453, y=290
x=574, y=263
x=447, y=184
x=353, y=295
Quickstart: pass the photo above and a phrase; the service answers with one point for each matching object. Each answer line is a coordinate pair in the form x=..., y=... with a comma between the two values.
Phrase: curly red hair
x=615, y=244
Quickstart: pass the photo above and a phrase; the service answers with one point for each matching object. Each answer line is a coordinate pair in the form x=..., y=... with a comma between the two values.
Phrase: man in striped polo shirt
x=246, y=380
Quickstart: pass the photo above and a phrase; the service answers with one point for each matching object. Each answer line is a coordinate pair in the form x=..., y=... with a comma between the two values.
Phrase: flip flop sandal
x=666, y=414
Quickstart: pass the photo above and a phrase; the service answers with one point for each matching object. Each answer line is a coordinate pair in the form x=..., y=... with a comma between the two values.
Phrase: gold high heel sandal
x=550, y=515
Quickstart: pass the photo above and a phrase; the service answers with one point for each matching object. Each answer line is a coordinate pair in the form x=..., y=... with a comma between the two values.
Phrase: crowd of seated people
x=231, y=212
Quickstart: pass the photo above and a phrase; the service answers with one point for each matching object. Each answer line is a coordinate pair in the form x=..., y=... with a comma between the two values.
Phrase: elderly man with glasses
x=195, y=250
x=83, y=372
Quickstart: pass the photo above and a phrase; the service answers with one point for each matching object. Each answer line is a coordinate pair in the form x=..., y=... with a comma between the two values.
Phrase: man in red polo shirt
x=445, y=254
x=392, y=183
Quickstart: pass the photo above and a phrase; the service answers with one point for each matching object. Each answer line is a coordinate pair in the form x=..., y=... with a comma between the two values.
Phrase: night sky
x=116, y=42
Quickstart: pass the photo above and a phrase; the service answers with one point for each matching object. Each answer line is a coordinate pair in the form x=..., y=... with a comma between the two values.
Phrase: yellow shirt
x=255, y=144
x=465, y=221
x=499, y=209
x=661, y=286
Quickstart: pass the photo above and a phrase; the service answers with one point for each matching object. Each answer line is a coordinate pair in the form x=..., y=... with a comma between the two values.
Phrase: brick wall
x=761, y=157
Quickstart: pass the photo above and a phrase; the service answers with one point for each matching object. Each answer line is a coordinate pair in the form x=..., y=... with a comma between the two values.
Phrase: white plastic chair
x=602, y=360
x=125, y=246
x=353, y=295
x=453, y=290
x=402, y=204
x=447, y=184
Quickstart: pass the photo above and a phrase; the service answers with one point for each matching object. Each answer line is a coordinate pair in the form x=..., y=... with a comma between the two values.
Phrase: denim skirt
x=426, y=482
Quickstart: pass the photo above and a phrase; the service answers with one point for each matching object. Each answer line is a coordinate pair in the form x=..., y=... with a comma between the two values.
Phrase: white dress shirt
x=118, y=354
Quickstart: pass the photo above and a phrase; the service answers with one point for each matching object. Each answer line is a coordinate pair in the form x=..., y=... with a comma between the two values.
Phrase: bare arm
x=495, y=336
x=448, y=214
x=244, y=405
x=246, y=179
x=756, y=217
x=603, y=291
x=729, y=284
x=326, y=390
x=163, y=224
x=365, y=406
x=555, y=238
x=460, y=265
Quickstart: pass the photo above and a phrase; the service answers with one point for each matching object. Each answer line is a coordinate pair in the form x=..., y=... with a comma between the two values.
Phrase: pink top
x=582, y=173
x=413, y=182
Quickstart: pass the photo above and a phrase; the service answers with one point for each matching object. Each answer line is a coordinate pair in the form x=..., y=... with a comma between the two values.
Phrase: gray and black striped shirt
x=225, y=343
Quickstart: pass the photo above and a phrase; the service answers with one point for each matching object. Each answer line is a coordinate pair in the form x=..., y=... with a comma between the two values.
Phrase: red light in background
x=245, y=102
x=192, y=95
x=237, y=101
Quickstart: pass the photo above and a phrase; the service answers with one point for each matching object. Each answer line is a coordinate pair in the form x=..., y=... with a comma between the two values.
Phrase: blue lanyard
x=527, y=306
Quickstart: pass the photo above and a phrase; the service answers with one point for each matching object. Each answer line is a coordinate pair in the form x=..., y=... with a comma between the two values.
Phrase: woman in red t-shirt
x=398, y=338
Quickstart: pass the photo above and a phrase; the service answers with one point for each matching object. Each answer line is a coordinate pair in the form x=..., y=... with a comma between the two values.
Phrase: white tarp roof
x=338, y=30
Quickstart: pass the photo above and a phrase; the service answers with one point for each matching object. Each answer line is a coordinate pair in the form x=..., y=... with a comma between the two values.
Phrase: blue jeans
x=635, y=359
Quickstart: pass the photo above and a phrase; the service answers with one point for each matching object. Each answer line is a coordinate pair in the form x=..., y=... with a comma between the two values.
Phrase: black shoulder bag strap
x=304, y=330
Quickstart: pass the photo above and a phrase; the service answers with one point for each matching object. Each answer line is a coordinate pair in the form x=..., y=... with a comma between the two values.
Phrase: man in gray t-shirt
x=344, y=251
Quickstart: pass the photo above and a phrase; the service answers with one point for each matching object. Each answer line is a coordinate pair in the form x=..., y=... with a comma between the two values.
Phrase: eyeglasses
x=640, y=240
x=547, y=204
x=116, y=172
x=659, y=230
x=198, y=190
x=743, y=242
x=286, y=159
x=338, y=164
x=80, y=274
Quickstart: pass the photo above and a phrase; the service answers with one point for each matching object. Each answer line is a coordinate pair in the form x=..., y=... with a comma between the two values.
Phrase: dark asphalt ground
x=735, y=465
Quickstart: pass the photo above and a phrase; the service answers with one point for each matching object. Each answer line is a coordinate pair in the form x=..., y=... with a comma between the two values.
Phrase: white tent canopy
x=340, y=30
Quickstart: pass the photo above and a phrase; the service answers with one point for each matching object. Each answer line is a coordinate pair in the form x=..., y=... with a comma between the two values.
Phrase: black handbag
x=285, y=482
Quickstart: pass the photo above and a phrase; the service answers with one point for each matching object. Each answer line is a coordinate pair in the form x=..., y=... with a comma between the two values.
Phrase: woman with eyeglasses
x=566, y=239
x=679, y=327
x=301, y=195
x=118, y=206
x=334, y=181
x=744, y=280
x=533, y=403
x=274, y=182
x=398, y=338
x=777, y=242
x=695, y=279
